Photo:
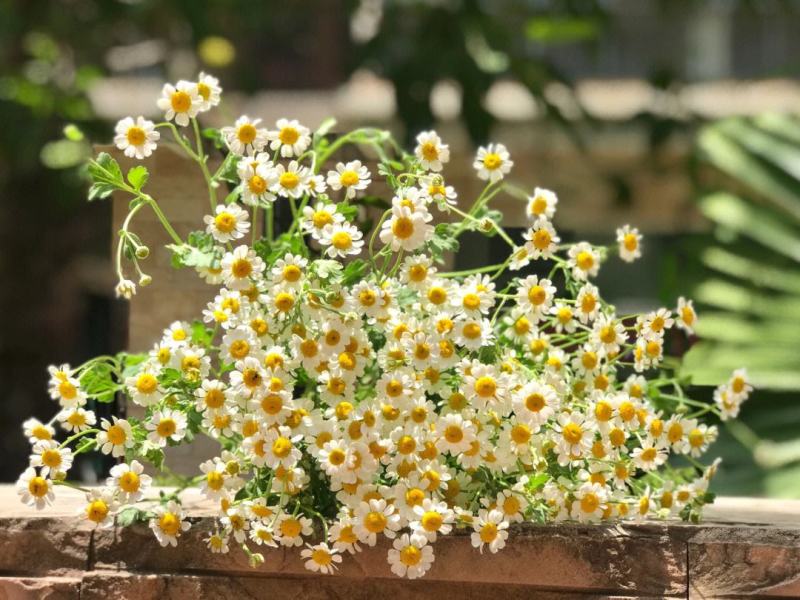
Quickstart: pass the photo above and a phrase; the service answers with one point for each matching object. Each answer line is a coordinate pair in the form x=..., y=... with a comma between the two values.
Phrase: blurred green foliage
x=748, y=174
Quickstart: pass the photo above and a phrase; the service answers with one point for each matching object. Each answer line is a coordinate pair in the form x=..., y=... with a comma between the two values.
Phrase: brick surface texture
x=744, y=548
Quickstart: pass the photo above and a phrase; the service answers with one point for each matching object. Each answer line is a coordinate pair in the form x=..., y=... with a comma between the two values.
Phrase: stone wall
x=746, y=547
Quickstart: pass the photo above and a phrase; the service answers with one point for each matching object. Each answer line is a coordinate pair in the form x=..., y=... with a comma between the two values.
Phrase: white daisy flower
x=431, y=152
x=353, y=177
x=115, y=437
x=166, y=425
x=629, y=241
x=321, y=558
x=406, y=229
x=168, y=523
x=130, y=481
x=410, y=556
x=137, y=139
x=584, y=260
x=290, y=137
x=34, y=489
x=245, y=136
x=493, y=162
x=100, y=507
x=255, y=173
x=542, y=204
x=229, y=223
x=541, y=239
x=180, y=102
x=50, y=458
x=289, y=181
x=490, y=531
x=342, y=239
x=208, y=91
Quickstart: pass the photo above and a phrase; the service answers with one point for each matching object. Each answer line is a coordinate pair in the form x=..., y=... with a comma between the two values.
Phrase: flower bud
x=145, y=280
x=142, y=252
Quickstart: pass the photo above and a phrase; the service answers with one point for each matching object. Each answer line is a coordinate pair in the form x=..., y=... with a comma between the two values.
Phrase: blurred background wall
x=601, y=100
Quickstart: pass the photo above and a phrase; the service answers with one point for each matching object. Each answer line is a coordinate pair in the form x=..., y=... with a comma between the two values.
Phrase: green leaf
x=354, y=271
x=201, y=334
x=130, y=515
x=750, y=221
x=155, y=456
x=346, y=209
x=138, y=176
x=99, y=382
x=562, y=30
x=199, y=250
x=106, y=176
x=325, y=127
x=73, y=133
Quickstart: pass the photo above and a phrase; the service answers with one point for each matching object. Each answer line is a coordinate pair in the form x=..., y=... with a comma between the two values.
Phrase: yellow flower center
x=281, y=447
x=288, y=135
x=321, y=557
x=51, y=458
x=573, y=433
x=492, y=161
x=146, y=383
x=410, y=556
x=485, y=387
x=453, y=434
x=539, y=205
x=292, y=273
x=584, y=260
x=40, y=432
x=215, y=480
x=521, y=433
x=431, y=521
x=246, y=133
x=542, y=239
x=241, y=268
x=630, y=242
x=291, y=528
x=181, y=101
x=284, y=301
x=166, y=427
x=342, y=240
x=429, y=151
x=136, y=136
x=471, y=301
x=38, y=487
x=603, y=411
x=375, y=522
x=239, y=349
x=337, y=457
x=203, y=91
x=116, y=435
x=272, y=404
x=403, y=228
x=225, y=222
x=488, y=533
x=257, y=184
x=129, y=482
x=97, y=511
x=169, y=523
x=537, y=295
x=289, y=180
x=348, y=178
x=590, y=502
x=472, y=331
x=417, y=273
x=321, y=218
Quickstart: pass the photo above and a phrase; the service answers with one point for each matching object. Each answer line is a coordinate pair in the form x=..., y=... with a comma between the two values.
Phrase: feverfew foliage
x=357, y=387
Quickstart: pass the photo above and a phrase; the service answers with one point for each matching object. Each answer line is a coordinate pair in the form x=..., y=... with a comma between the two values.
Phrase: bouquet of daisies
x=356, y=388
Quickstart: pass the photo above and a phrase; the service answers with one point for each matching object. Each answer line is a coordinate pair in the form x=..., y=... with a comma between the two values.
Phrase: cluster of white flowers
x=383, y=397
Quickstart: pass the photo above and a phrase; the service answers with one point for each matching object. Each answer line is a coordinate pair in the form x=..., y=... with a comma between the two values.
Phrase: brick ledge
x=745, y=547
